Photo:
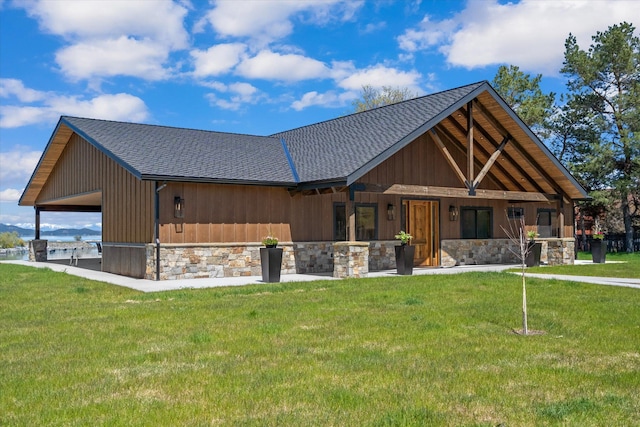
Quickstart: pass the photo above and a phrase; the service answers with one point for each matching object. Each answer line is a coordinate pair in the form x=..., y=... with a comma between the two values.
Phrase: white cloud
x=120, y=106
x=285, y=67
x=111, y=57
x=529, y=33
x=15, y=87
x=10, y=195
x=380, y=75
x=240, y=93
x=217, y=59
x=108, y=38
x=327, y=99
x=427, y=34
x=17, y=165
x=157, y=20
x=265, y=21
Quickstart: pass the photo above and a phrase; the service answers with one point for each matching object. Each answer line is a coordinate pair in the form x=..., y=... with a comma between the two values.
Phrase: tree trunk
x=628, y=227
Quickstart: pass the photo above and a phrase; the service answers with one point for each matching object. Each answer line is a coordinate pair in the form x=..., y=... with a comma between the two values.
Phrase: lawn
x=618, y=265
x=405, y=351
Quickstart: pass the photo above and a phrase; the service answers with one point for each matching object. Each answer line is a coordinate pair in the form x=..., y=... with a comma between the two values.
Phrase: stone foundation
x=343, y=259
x=502, y=251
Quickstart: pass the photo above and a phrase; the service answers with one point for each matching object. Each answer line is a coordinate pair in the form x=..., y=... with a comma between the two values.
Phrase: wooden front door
x=423, y=224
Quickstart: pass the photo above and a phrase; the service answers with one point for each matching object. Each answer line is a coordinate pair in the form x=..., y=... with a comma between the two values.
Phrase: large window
x=476, y=223
x=545, y=223
x=366, y=222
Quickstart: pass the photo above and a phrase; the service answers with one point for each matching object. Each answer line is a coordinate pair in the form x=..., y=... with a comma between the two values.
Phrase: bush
x=10, y=239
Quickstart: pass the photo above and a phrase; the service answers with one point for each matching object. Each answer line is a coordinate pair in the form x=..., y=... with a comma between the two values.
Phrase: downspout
x=157, y=227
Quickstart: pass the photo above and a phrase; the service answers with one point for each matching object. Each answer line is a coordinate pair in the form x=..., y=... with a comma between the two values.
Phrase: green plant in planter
x=597, y=233
x=403, y=237
x=532, y=234
x=270, y=241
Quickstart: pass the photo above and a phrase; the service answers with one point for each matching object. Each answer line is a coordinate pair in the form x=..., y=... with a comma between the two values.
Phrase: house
x=452, y=168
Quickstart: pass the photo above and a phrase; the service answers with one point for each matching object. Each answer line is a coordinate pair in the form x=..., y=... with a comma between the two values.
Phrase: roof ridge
x=478, y=83
x=66, y=117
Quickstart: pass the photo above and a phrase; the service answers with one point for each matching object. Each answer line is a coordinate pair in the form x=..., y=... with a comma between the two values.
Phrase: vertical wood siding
x=216, y=213
x=127, y=203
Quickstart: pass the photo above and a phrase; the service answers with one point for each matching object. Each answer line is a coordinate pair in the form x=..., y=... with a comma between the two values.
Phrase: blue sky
x=255, y=67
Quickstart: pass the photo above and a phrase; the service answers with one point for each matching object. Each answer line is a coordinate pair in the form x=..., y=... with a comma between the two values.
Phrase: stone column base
x=38, y=250
x=350, y=259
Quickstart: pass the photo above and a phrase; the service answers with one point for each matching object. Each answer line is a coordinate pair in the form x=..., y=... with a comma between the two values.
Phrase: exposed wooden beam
x=516, y=145
x=511, y=161
x=68, y=208
x=479, y=148
x=455, y=143
x=490, y=162
x=432, y=191
x=489, y=117
x=448, y=156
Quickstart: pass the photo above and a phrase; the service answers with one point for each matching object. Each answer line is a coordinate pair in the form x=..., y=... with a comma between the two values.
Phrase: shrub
x=10, y=239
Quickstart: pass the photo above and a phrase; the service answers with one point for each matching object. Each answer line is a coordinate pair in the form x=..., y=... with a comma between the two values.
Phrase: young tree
x=520, y=247
x=523, y=94
x=371, y=97
x=604, y=84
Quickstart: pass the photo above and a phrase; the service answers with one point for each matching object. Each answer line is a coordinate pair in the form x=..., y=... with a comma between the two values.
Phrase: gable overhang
x=51, y=154
x=526, y=157
x=385, y=155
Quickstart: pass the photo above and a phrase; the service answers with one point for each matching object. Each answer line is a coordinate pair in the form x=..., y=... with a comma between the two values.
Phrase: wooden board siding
x=235, y=213
x=127, y=203
x=125, y=260
x=422, y=163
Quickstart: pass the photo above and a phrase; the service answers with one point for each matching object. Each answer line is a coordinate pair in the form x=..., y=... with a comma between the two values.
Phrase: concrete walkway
x=144, y=285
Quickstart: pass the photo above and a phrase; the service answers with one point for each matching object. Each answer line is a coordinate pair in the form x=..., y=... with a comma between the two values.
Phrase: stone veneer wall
x=193, y=261
x=232, y=260
x=350, y=259
x=496, y=251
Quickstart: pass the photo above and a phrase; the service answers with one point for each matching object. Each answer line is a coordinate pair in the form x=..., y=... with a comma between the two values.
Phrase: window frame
x=476, y=209
x=343, y=206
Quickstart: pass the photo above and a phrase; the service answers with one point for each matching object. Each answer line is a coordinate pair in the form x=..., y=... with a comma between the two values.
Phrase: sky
x=254, y=67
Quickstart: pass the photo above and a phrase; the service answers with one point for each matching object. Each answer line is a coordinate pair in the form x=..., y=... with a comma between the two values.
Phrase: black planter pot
x=533, y=255
x=271, y=262
x=598, y=251
x=404, y=259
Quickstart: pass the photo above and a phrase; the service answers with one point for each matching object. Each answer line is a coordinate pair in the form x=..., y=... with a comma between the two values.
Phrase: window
x=545, y=222
x=515, y=213
x=366, y=222
x=476, y=223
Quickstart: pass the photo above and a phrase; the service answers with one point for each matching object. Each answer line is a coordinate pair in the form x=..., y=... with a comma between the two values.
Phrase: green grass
x=625, y=266
x=405, y=351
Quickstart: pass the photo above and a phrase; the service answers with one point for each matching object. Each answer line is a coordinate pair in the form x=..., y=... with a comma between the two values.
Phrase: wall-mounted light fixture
x=178, y=207
x=391, y=212
x=453, y=213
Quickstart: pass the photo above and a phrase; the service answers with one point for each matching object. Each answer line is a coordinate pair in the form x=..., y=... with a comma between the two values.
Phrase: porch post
x=351, y=216
x=37, y=236
x=561, y=218
x=470, y=171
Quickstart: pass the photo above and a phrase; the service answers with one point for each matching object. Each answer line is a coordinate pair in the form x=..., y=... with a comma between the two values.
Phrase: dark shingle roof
x=342, y=148
x=150, y=151
x=338, y=150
